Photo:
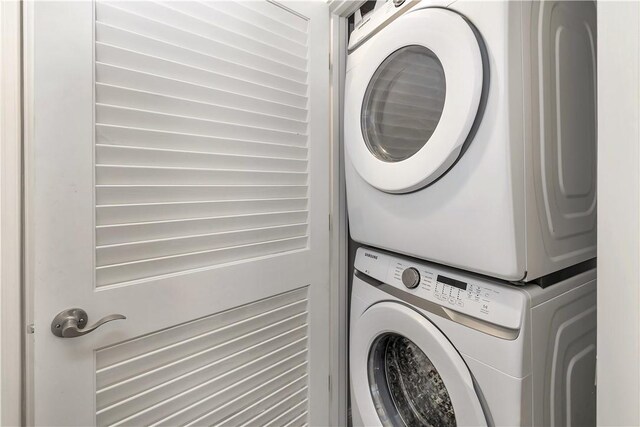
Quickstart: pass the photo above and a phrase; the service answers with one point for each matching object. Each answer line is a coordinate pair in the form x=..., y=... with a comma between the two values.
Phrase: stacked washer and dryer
x=470, y=136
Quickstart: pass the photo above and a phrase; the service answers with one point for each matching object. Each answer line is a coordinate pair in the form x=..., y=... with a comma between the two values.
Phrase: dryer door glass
x=403, y=103
x=407, y=389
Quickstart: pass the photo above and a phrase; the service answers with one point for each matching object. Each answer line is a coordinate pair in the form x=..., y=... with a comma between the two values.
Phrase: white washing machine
x=470, y=134
x=430, y=346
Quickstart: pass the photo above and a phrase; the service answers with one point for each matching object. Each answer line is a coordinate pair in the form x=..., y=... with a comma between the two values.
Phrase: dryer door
x=411, y=102
x=405, y=372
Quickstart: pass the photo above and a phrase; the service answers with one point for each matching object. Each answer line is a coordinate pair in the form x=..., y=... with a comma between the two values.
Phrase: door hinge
x=31, y=329
x=330, y=385
x=330, y=222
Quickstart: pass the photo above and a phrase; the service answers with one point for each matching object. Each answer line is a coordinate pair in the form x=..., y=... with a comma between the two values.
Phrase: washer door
x=404, y=372
x=412, y=101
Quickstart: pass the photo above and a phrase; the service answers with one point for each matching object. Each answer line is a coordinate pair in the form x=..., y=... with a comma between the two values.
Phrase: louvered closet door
x=178, y=175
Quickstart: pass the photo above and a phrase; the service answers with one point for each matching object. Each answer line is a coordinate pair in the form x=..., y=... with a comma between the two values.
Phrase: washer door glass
x=403, y=103
x=407, y=389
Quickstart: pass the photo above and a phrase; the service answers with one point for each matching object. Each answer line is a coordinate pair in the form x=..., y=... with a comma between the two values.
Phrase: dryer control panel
x=495, y=302
x=385, y=12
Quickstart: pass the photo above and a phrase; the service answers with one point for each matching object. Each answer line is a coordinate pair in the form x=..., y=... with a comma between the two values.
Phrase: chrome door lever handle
x=72, y=323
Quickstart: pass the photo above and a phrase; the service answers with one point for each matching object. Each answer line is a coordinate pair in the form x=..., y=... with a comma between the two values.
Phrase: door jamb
x=339, y=233
x=11, y=225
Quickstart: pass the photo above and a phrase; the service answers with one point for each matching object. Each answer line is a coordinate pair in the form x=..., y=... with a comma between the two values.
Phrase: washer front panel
x=453, y=42
x=397, y=320
x=470, y=295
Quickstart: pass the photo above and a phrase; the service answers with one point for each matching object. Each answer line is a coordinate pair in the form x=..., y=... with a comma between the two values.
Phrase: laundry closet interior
x=285, y=213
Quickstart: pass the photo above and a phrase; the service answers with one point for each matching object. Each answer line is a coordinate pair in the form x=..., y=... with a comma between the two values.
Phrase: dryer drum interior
x=403, y=103
x=405, y=386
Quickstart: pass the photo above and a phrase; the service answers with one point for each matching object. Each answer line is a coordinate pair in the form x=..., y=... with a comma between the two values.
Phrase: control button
x=411, y=277
x=460, y=303
x=452, y=300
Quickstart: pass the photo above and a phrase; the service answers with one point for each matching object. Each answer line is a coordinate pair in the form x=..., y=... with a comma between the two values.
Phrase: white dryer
x=470, y=134
x=430, y=346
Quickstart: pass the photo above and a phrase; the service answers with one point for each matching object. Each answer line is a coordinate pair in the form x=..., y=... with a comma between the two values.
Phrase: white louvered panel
x=119, y=214
x=283, y=16
x=247, y=366
x=119, y=253
x=287, y=378
x=195, y=373
x=261, y=21
x=134, y=270
x=118, y=76
x=179, y=106
x=127, y=136
x=127, y=194
x=283, y=400
x=237, y=19
x=205, y=71
x=293, y=417
x=124, y=116
x=201, y=135
x=163, y=23
x=120, y=155
x=295, y=402
x=116, y=174
x=135, y=232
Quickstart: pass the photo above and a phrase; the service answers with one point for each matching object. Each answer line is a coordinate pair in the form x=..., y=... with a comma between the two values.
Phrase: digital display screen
x=453, y=282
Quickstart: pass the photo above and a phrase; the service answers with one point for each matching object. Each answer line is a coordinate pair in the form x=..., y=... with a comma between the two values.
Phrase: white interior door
x=178, y=175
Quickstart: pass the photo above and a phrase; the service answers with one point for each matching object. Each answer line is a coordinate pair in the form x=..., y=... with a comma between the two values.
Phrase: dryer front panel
x=412, y=99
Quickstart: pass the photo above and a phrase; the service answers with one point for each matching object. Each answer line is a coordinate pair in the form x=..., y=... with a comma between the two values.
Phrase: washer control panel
x=495, y=302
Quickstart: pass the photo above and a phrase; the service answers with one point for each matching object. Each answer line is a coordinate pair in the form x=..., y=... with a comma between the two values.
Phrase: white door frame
x=10, y=214
x=340, y=11
x=618, y=375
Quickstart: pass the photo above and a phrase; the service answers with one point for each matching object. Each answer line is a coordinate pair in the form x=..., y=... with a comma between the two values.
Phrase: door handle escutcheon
x=71, y=323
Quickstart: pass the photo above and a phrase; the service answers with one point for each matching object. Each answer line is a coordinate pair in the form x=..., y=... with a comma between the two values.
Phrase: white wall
x=618, y=213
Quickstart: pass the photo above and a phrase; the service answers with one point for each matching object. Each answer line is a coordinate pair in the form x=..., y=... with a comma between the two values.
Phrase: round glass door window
x=403, y=103
x=406, y=388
